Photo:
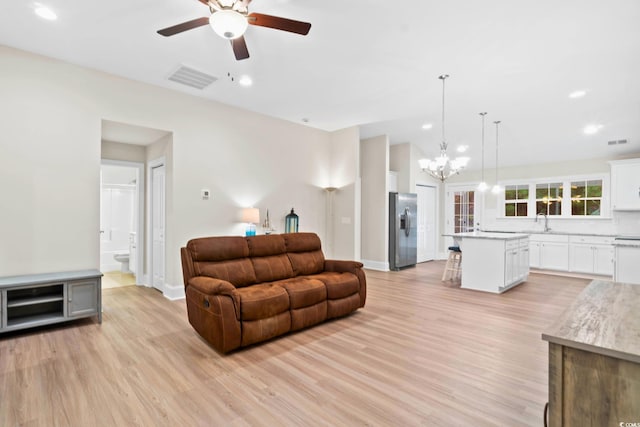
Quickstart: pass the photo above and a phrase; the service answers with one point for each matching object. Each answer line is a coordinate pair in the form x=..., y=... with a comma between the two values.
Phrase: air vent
x=617, y=142
x=193, y=78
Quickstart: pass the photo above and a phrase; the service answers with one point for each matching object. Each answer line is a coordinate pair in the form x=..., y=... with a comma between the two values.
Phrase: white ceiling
x=376, y=63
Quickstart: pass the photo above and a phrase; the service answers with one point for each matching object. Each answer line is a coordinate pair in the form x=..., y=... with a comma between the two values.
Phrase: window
x=463, y=211
x=516, y=198
x=586, y=197
x=549, y=198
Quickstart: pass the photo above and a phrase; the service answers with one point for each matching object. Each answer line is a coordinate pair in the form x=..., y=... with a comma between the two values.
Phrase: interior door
x=158, y=226
x=427, y=238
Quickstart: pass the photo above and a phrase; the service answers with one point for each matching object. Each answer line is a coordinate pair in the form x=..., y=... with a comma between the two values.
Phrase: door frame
x=478, y=212
x=434, y=238
x=152, y=164
x=140, y=228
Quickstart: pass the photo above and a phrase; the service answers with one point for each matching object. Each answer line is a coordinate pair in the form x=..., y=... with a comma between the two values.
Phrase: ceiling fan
x=230, y=18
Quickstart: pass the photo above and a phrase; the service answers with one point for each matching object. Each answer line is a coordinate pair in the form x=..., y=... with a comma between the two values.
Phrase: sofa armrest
x=342, y=266
x=354, y=267
x=213, y=286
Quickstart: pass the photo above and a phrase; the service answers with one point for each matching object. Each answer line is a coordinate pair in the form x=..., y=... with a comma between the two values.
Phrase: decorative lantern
x=291, y=222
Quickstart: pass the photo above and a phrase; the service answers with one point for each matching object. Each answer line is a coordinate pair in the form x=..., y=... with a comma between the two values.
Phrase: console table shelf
x=36, y=300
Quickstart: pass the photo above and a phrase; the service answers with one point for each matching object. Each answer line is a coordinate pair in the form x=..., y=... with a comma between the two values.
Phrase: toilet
x=123, y=259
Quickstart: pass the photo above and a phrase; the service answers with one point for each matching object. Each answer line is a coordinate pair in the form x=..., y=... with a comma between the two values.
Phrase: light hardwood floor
x=421, y=352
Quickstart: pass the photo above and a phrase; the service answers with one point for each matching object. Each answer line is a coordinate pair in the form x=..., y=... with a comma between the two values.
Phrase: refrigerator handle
x=407, y=228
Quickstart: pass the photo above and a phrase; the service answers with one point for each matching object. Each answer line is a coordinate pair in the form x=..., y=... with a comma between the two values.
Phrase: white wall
x=374, y=167
x=344, y=242
x=50, y=162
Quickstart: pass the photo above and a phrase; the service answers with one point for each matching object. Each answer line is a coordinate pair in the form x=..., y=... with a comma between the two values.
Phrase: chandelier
x=442, y=167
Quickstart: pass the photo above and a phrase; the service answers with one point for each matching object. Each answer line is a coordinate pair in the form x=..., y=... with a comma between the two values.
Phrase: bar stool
x=453, y=267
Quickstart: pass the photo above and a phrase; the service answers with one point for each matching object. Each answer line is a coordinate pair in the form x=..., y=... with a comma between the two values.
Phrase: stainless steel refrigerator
x=403, y=230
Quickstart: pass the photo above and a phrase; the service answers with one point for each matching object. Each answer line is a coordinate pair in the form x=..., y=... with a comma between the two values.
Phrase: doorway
x=463, y=209
x=427, y=211
x=157, y=204
x=121, y=222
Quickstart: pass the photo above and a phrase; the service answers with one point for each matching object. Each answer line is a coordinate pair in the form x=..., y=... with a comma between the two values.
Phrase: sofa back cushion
x=305, y=253
x=224, y=258
x=269, y=258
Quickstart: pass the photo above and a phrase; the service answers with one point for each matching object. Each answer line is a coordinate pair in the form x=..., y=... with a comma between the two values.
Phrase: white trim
x=375, y=265
x=173, y=293
x=152, y=164
x=140, y=194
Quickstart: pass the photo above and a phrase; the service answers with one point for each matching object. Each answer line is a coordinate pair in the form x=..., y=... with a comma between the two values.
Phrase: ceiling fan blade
x=278, y=23
x=240, y=48
x=189, y=25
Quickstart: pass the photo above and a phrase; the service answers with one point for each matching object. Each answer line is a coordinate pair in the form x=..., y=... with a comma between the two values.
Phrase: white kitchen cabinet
x=625, y=185
x=591, y=254
x=627, y=262
x=549, y=251
x=493, y=262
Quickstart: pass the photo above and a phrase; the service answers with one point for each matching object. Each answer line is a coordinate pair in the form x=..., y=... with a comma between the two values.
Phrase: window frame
x=605, y=199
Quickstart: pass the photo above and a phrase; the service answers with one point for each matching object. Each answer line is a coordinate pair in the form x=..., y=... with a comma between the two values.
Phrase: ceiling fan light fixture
x=228, y=24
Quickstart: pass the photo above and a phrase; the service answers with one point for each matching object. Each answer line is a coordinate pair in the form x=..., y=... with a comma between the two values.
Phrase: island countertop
x=604, y=319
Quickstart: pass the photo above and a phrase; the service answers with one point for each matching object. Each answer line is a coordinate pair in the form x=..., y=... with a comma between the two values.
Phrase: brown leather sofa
x=243, y=290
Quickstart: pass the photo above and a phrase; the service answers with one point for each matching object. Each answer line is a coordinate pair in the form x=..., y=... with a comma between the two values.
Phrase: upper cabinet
x=625, y=185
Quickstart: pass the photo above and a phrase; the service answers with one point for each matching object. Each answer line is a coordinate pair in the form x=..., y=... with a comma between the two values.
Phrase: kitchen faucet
x=546, y=220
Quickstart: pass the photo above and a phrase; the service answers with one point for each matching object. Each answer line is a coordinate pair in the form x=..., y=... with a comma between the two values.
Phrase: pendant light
x=442, y=167
x=496, y=187
x=482, y=187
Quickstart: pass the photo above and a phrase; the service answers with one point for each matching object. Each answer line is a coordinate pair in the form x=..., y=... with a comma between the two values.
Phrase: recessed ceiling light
x=591, y=129
x=45, y=13
x=577, y=94
x=245, y=81
x=427, y=126
x=462, y=148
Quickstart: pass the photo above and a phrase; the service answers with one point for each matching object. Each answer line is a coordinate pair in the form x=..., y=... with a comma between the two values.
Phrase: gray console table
x=42, y=299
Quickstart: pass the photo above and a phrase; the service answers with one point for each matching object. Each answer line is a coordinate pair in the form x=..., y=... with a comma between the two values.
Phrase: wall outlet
x=205, y=194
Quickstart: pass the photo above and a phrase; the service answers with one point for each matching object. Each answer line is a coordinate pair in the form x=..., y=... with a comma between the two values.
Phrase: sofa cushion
x=305, y=252
x=303, y=292
x=239, y=272
x=307, y=316
x=272, y=244
x=342, y=306
x=218, y=248
x=269, y=258
x=339, y=285
x=254, y=331
x=262, y=301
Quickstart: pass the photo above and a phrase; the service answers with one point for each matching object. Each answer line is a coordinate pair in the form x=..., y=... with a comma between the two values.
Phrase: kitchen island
x=493, y=262
x=594, y=358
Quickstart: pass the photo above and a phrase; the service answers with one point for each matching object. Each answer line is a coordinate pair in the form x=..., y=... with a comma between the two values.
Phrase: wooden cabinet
x=591, y=254
x=549, y=251
x=594, y=358
x=42, y=299
x=625, y=184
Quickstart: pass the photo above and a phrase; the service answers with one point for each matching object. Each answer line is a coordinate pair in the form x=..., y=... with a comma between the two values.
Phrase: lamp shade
x=251, y=215
x=228, y=24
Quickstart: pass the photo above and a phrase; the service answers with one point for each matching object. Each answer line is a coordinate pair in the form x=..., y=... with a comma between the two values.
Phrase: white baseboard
x=173, y=293
x=375, y=265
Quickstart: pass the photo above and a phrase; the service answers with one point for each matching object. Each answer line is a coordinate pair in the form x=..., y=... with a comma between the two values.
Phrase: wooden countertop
x=604, y=319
